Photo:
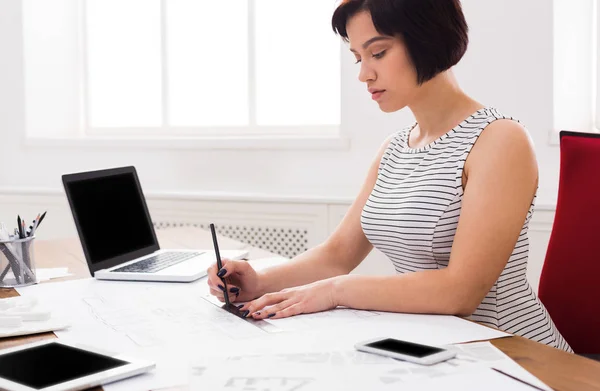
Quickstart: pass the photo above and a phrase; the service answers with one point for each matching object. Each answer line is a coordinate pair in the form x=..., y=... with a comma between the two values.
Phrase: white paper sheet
x=141, y=318
x=45, y=274
x=491, y=356
x=475, y=379
x=343, y=325
x=333, y=370
x=33, y=327
x=30, y=318
x=170, y=371
x=155, y=321
x=353, y=370
x=350, y=323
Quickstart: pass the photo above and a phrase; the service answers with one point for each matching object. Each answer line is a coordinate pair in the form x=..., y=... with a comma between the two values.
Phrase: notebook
x=117, y=235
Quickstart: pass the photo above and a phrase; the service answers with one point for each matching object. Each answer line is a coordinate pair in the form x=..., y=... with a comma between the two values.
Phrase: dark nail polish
x=222, y=272
x=221, y=287
x=234, y=290
x=245, y=313
x=240, y=306
x=257, y=313
x=271, y=315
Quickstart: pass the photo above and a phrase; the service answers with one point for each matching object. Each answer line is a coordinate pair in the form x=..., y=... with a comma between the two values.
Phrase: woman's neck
x=439, y=106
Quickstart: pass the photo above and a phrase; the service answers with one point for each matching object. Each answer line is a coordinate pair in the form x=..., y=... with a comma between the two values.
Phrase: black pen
x=41, y=218
x=219, y=264
x=20, y=226
x=517, y=379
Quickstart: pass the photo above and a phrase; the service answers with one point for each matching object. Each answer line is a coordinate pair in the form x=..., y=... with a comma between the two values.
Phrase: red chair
x=570, y=280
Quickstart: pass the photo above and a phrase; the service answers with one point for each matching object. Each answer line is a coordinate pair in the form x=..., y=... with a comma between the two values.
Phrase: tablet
x=53, y=365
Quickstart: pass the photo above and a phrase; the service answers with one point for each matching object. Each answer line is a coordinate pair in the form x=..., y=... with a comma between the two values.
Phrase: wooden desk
x=561, y=371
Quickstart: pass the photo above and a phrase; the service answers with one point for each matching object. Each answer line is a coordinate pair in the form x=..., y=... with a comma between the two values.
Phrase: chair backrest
x=570, y=280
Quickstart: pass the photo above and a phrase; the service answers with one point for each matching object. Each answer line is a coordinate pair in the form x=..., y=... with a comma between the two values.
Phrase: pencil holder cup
x=17, y=266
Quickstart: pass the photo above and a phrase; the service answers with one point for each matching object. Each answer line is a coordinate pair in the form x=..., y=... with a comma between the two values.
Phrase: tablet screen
x=51, y=364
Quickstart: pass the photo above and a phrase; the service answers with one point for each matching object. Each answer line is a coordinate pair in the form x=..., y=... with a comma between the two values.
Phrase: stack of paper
x=175, y=325
x=353, y=370
x=24, y=316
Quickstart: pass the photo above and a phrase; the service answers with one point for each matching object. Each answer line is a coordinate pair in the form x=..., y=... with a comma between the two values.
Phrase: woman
x=447, y=199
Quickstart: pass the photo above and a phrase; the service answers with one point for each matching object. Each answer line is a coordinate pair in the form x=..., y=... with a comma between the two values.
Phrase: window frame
x=316, y=133
x=576, y=38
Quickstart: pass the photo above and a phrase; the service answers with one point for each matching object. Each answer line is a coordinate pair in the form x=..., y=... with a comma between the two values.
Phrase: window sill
x=311, y=142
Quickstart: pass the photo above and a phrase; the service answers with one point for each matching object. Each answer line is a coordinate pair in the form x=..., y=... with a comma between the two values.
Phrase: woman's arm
x=501, y=173
x=338, y=255
x=501, y=179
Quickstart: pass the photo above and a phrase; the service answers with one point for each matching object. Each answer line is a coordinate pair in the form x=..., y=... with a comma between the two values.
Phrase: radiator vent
x=287, y=242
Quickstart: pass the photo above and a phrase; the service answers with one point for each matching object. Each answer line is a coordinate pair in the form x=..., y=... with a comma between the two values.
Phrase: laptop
x=117, y=235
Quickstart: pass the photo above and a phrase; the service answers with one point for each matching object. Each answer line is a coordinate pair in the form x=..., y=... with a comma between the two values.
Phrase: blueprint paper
x=354, y=370
x=489, y=355
x=143, y=318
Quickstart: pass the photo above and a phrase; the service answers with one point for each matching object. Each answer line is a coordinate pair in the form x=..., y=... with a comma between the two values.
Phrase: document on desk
x=427, y=329
x=23, y=316
x=157, y=321
x=489, y=355
x=475, y=379
x=354, y=370
x=44, y=274
x=349, y=324
x=174, y=322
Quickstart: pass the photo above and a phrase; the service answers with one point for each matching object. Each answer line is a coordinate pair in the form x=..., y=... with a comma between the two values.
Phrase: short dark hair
x=434, y=32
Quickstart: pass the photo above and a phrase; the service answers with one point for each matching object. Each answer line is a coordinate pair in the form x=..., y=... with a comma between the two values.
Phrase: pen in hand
x=219, y=264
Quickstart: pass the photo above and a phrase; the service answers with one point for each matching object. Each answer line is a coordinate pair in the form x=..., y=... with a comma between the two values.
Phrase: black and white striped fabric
x=412, y=215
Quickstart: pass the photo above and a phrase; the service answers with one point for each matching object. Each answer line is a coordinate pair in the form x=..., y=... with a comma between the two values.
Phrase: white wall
x=508, y=65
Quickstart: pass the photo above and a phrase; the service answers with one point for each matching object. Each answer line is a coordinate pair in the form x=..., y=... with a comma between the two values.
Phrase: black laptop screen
x=112, y=216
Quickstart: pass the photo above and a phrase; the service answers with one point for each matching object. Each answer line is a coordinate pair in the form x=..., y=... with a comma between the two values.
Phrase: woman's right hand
x=242, y=281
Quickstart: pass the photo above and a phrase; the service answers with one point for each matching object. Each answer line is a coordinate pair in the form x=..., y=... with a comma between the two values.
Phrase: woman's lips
x=377, y=94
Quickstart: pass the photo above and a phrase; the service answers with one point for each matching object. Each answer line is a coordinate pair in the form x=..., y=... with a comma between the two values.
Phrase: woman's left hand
x=316, y=297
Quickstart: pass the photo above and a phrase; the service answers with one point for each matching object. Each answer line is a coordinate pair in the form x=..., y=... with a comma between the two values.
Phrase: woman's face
x=384, y=64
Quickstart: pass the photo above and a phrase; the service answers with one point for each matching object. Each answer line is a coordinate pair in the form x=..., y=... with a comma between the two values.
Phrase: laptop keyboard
x=157, y=262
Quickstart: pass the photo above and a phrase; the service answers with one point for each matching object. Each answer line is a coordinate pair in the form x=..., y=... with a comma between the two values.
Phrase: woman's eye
x=379, y=55
x=374, y=55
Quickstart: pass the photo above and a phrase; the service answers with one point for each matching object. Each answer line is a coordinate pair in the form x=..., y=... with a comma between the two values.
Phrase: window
x=576, y=67
x=181, y=68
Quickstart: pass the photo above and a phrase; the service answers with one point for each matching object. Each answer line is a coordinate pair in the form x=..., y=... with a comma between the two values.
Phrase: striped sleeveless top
x=412, y=215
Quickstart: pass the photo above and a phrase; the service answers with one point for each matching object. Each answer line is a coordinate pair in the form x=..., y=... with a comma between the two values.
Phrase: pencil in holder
x=17, y=266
